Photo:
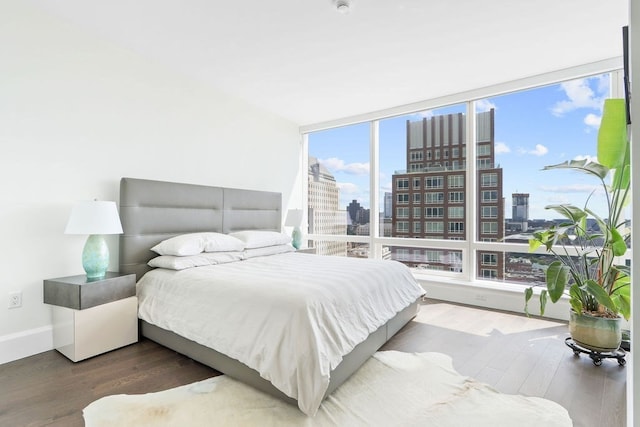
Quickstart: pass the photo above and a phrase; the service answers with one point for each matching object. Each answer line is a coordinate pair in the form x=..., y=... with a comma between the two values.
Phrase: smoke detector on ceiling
x=342, y=6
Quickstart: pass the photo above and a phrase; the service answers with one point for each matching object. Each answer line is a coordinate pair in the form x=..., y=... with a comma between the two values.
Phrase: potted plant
x=585, y=266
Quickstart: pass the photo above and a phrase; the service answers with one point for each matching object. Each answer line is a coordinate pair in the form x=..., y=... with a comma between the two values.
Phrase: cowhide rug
x=391, y=389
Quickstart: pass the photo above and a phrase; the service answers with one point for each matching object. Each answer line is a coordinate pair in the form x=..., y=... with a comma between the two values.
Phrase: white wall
x=77, y=114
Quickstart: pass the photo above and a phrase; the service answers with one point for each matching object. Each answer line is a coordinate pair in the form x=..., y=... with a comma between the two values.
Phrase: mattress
x=291, y=317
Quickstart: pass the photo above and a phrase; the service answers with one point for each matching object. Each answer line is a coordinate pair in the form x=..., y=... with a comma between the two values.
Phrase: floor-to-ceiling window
x=459, y=187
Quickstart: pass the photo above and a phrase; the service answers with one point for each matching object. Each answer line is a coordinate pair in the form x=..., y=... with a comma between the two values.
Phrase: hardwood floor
x=512, y=353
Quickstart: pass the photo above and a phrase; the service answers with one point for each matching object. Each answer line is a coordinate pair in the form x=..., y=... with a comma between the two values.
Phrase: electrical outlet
x=15, y=299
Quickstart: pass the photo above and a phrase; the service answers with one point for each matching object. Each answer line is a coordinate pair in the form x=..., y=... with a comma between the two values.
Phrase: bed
x=154, y=211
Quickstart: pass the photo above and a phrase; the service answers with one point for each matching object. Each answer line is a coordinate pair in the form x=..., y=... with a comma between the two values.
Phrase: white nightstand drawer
x=80, y=334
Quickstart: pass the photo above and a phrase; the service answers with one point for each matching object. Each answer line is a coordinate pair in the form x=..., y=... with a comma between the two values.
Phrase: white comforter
x=291, y=317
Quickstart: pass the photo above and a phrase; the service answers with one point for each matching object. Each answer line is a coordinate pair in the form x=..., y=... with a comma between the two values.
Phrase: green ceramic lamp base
x=296, y=237
x=95, y=257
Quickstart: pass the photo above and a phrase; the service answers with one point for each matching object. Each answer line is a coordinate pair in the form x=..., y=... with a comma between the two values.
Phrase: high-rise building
x=520, y=210
x=388, y=204
x=429, y=197
x=325, y=216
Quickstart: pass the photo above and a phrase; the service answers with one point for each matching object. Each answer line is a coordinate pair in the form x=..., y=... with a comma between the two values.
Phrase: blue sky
x=533, y=128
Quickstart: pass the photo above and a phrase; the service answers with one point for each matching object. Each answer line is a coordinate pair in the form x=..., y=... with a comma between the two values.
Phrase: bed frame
x=152, y=211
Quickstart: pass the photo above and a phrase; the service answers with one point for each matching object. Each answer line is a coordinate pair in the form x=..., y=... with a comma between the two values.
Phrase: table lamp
x=94, y=218
x=294, y=218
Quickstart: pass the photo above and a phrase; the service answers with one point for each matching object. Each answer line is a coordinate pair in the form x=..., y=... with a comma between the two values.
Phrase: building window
x=489, y=259
x=402, y=226
x=416, y=183
x=485, y=164
x=484, y=150
x=488, y=273
x=402, y=212
x=433, y=256
x=456, y=227
x=434, y=212
x=403, y=199
x=456, y=196
x=455, y=181
x=433, y=198
x=446, y=153
x=434, y=182
x=416, y=212
x=417, y=197
x=434, y=227
x=456, y=211
x=489, y=196
x=417, y=227
x=489, y=179
x=489, y=212
x=402, y=183
x=489, y=227
x=416, y=156
x=402, y=254
x=455, y=152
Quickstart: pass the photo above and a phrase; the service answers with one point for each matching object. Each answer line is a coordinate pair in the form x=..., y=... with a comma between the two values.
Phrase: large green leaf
x=573, y=213
x=618, y=244
x=543, y=301
x=557, y=279
x=600, y=294
x=586, y=166
x=528, y=293
x=622, y=299
x=612, y=136
x=576, y=298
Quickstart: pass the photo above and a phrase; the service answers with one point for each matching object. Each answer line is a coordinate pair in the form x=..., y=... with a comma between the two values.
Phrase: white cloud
x=484, y=105
x=540, y=150
x=592, y=120
x=502, y=148
x=427, y=113
x=348, y=188
x=579, y=95
x=338, y=165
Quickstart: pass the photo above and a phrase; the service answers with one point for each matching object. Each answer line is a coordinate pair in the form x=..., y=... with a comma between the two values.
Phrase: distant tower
x=325, y=216
x=520, y=206
x=388, y=204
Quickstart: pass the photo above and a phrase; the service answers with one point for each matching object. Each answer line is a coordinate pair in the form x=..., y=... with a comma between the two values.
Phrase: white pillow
x=268, y=250
x=261, y=238
x=195, y=243
x=207, y=258
x=218, y=242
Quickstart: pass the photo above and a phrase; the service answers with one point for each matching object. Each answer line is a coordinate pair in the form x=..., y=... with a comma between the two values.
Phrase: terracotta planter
x=595, y=333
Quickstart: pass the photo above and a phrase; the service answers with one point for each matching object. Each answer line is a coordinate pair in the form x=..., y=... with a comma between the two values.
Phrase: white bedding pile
x=291, y=316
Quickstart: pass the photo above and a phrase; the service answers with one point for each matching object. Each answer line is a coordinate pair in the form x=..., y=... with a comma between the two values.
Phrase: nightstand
x=307, y=250
x=92, y=317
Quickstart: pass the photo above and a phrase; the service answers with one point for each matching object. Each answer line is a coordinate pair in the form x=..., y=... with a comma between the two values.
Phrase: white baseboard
x=26, y=343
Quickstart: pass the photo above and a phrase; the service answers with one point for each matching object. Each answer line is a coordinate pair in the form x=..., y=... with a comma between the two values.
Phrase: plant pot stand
x=596, y=356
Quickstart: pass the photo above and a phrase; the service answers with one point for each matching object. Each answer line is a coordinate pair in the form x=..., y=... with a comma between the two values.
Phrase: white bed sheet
x=291, y=317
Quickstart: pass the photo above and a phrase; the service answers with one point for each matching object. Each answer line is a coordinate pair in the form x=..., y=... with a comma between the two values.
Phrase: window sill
x=486, y=294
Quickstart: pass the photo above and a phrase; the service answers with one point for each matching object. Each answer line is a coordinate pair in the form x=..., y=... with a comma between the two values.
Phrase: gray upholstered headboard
x=152, y=211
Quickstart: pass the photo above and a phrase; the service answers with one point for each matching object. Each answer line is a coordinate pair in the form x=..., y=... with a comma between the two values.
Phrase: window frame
x=469, y=248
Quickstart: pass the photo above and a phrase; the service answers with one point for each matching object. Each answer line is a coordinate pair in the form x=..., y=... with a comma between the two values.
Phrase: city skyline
x=533, y=128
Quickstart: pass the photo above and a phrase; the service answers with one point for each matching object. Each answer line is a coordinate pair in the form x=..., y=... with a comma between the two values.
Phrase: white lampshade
x=94, y=217
x=294, y=218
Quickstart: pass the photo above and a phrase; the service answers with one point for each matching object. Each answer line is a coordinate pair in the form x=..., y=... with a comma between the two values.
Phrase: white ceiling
x=303, y=60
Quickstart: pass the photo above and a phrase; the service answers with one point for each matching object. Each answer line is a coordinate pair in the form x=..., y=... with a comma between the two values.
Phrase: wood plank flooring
x=512, y=353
